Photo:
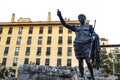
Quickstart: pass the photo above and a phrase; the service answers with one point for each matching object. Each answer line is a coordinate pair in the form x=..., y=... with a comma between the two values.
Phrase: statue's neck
x=82, y=23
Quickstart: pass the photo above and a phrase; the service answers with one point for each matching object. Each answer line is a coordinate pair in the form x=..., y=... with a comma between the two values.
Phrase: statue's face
x=82, y=19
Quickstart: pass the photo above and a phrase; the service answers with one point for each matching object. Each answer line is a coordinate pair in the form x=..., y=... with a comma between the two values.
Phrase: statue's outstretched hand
x=58, y=12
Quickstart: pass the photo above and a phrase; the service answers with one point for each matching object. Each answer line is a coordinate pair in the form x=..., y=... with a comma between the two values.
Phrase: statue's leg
x=90, y=67
x=81, y=68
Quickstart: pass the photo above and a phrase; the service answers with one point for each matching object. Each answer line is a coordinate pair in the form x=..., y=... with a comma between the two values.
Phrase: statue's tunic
x=82, y=42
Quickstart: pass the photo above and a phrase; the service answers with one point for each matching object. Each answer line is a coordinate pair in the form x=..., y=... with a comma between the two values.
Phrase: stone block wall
x=35, y=72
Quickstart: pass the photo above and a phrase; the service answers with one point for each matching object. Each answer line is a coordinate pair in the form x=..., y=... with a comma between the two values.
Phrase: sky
x=105, y=12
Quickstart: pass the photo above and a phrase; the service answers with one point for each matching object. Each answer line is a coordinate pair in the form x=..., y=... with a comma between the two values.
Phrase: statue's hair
x=82, y=15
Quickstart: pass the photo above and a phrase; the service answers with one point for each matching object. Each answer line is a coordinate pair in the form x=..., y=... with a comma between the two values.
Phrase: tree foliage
x=106, y=63
x=5, y=72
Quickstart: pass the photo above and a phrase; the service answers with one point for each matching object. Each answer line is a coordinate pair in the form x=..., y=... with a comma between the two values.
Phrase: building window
x=27, y=51
x=59, y=51
x=18, y=40
x=50, y=30
x=17, y=51
x=39, y=51
x=37, y=61
x=116, y=50
x=15, y=61
x=48, y=51
x=30, y=30
x=41, y=30
x=60, y=40
x=40, y=40
x=58, y=62
x=118, y=56
x=60, y=29
x=47, y=62
x=10, y=30
x=49, y=40
x=6, y=50
x=13, y=72
x=1, y=30
x=103, y=43
x=4, y=61
x=8, y=40
x=29, y=40
x=69, y=31
x=68, y=62
x=69, y=39
x=69, y=51
x=20, y=30
x=104, y=50
x=26, y=60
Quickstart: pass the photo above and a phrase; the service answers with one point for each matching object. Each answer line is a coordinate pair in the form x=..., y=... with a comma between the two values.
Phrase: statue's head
x=82, y=18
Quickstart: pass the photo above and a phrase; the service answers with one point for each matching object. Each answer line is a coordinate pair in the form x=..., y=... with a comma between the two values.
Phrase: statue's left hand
x=93, y=38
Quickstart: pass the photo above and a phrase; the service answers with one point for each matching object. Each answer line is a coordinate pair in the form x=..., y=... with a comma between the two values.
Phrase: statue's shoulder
x=76, y=26
x=89, y=25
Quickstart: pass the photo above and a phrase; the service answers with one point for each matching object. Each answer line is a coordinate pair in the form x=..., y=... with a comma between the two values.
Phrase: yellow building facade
x=42, y=43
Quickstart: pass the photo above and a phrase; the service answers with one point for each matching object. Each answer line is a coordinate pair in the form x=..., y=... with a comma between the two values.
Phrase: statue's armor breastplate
x=82, y=34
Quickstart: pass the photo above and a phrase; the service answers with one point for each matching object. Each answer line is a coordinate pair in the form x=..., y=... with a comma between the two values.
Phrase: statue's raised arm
x=63, y=21
x=60, y=17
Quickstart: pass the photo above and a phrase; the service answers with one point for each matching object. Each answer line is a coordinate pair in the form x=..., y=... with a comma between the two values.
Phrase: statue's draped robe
x=96, y=50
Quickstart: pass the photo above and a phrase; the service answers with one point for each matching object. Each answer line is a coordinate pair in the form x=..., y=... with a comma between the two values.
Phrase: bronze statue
x=82, y=43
